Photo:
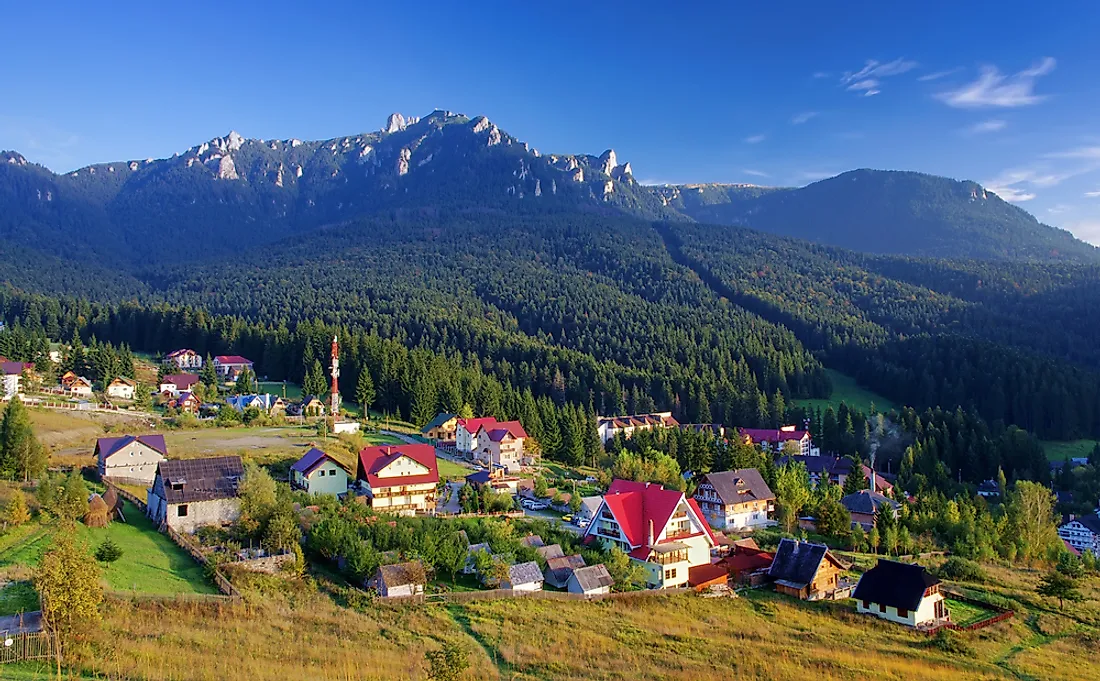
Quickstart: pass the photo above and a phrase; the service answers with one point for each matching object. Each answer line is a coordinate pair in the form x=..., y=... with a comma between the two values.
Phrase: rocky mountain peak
x=12, y=157
x=608, y=161
x=396, y=123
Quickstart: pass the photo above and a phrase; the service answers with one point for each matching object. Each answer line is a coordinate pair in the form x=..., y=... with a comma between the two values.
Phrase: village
x=596, y=539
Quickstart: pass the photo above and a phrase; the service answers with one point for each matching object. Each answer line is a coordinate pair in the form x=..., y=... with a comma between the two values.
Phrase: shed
x=590, y=581
x=523, y=577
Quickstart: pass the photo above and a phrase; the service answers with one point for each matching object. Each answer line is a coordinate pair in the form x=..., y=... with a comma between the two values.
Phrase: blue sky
x=1002, y=93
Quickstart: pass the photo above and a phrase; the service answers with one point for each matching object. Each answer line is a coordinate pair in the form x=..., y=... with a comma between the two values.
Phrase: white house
x=191, y=493
x=400, y=479
x=523, y=577
x=500, y=445
x=12, y=375
x=122, y=388
x=342, y=427
x=736, y=500
x=228, y=367
x=779, y=439
x=129, y=457
x=610, y=426
x=660, y=529
x=185, y=358
x=400, y=580
x=79, y=387
x=174, y=384
x=1083, y=533
x=590, y=581
x=901, y=592
x=466, y=433
x=318, y=473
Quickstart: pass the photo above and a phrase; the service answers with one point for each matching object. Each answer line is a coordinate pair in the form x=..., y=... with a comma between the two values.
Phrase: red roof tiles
x=373, y=459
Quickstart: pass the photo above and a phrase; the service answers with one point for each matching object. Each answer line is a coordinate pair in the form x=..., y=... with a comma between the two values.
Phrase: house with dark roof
x=443, y=427
x=593, y=580
x=400, y=580
x=11, y=377
x=989, y=489
x=551, y=551
x=610, y=426
x=1083, y=533
x=836, y=470
x=318, y=473
x=735, y=500
x=523, y=577
x=267, y=403
x=130, y=457
x=661, y=530
x=784, y=438
x=807, y=571
x=187, y=403
x=310, y=406
x=399, y=479
x=191, y=493
x=560, y=568
x=471, y=557
x=901, y=592
x=864, y=504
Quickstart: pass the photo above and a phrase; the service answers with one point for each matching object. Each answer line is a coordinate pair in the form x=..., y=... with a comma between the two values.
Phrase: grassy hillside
x=1058, y=451
x=298, y=631
x=845, y=389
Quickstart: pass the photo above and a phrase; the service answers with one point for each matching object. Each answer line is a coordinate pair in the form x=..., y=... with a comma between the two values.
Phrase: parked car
x=539, y=506
x=567, y=518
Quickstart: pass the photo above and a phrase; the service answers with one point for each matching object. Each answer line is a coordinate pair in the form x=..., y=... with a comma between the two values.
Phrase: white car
x=538, y=506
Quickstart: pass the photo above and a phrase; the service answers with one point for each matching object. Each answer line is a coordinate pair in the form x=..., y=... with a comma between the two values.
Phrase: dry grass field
x=300, y=633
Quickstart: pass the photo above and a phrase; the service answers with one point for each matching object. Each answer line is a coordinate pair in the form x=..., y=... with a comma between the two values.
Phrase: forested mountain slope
x=878, y=211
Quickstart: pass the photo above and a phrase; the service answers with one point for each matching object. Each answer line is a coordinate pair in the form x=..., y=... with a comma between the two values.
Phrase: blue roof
x=478, y=478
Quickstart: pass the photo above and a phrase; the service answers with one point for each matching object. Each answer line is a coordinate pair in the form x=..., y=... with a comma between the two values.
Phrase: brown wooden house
x=806, y=571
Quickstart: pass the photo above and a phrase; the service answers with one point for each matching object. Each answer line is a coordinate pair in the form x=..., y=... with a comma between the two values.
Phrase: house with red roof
x=500, y=446
x=466, y=433
x=660, y=529
x=174, y=384
x=185, y=358
x=399, y=479
x=780, y=439
x=130, y=457
x=228, y=367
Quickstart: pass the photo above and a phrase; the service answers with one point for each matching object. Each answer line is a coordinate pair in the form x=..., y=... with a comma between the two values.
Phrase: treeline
x=99, y=361
x=918, y=340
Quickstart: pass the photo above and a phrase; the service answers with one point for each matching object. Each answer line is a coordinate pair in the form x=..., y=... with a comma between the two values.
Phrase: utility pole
x=334, y=399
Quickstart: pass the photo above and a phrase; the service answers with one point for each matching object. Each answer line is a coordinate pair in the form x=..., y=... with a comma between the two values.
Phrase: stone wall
x=268, y=564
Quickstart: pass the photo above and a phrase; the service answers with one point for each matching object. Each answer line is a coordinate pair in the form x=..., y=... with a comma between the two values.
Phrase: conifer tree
x=364, y=390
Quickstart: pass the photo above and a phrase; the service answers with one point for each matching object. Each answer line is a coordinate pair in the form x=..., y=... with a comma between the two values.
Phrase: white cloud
x=803, y=117
x=1058, y=209
x=992, y=125
x=821, y=74
x=1011, y=194
x=876, y=69
x=1019, y=184
x=1093, y=195
x=755, y=173
x=866, y=84
x=939, y=74
x=993, y=89
x=755, y=139
x=1086, y=230
x=1090, y=153
x=871, y=93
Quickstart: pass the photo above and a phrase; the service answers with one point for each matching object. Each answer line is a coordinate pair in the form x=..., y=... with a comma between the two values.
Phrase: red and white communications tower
x=334, y=404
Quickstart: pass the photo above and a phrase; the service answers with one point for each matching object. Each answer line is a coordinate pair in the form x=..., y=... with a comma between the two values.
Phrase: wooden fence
x=189, y=545
x=1002, y=615
x=498, y=594
x=32, y=646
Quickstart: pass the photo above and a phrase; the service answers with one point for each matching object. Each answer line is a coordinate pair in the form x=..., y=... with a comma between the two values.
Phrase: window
x=181, y=511
x=670, y=573
x=881, y=608
x=902, y=612
x=866, y=605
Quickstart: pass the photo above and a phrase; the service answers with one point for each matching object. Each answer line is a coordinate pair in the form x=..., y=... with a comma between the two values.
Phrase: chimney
x=650, y=532
x=872, y=479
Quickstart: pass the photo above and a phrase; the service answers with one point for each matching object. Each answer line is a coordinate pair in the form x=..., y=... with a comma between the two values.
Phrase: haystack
x=99, y=514
x=114, y=504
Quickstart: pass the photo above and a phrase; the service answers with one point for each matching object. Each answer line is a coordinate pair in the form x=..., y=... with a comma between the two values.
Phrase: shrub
x=951, y=642
x=961, y=570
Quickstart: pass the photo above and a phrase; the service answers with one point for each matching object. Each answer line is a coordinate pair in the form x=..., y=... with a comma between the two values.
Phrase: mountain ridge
x=233, y=192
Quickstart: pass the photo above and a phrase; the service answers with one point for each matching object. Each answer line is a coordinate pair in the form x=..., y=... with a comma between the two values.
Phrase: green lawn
x=18, y=597
x=845, y=389
x=964, y=614
x=293, y=390
x=1058, y=451
x=150, y=563
x=449, y=469
x=380, y=439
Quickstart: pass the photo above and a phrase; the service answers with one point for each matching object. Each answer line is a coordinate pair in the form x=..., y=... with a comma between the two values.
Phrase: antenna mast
x=334, y=404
